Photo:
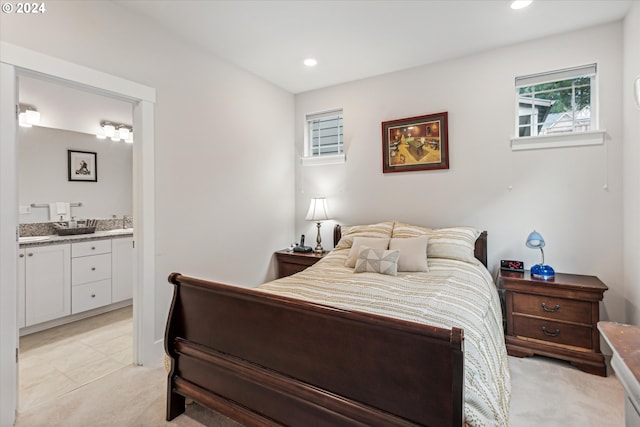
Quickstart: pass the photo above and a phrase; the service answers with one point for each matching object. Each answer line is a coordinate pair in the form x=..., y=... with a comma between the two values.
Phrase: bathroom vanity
x=65, y=278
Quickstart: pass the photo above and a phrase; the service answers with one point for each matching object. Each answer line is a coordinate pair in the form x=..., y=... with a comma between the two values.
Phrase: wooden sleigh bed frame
x=264, y=360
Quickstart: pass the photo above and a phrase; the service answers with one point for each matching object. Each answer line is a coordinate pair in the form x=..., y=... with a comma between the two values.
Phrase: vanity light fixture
x=310, y=62
x=28, y=115
x=115, y=131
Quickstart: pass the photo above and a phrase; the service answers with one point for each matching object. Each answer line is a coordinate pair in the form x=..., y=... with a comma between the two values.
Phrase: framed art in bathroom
x=83, y=166
x=415, y=143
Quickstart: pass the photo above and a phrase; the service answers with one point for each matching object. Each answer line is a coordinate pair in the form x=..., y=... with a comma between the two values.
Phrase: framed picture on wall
x=83, y=166
x=415, y=143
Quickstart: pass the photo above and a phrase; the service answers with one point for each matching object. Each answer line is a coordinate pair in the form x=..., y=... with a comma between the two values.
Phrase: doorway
x=96, y=338
x=16, y=61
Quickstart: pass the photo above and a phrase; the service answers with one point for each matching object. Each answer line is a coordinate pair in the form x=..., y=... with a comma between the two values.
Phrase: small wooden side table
x=290, y=262
x=556, y=318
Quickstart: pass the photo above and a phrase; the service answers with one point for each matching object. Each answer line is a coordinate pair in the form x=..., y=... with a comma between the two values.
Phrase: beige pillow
x=371, y=242
x=377, y=261
x=454, y=243
x=406, y=230
x=413, y=252
x=380, y=230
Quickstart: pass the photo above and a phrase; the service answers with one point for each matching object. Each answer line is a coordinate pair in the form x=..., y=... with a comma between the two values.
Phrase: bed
x=329, y=346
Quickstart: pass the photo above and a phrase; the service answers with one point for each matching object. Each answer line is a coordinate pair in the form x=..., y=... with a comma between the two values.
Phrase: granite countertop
x=31, y=241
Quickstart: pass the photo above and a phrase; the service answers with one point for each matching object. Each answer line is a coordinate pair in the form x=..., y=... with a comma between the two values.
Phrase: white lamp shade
x=109, y=130
x=124, y=133
x=33, y=117
x=317, y=210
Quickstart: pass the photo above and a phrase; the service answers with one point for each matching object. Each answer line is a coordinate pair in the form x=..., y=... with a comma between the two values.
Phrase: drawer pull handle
x=550, y=310
x=550, y=334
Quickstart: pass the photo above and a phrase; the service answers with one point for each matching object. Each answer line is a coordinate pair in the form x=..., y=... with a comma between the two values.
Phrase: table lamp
x=318, y=212
x=539, y=271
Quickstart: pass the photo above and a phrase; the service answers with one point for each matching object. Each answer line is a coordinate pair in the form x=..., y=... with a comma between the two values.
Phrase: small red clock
x=512, y=265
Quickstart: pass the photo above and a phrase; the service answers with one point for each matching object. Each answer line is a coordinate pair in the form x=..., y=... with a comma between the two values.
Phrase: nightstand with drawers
x=290, y=262
x=556, y=318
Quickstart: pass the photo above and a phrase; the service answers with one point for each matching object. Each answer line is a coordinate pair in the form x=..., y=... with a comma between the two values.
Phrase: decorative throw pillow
x=377, y=261
x=380, y=230
x=413, y=252
x=358, y=242
x=454, y=243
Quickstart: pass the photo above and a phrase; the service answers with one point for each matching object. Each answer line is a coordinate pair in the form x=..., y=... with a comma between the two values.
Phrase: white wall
x=224, y=140
x=42, y=168
x=631, y=150
x=559, y=192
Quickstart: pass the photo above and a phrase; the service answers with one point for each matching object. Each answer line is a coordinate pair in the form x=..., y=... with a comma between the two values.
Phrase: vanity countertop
x=31, y=241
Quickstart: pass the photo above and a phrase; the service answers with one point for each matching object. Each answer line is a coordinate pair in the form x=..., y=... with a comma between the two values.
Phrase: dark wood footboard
x=263, y=359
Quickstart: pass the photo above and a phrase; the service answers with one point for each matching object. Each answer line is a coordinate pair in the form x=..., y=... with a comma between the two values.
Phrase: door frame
x=16, y=61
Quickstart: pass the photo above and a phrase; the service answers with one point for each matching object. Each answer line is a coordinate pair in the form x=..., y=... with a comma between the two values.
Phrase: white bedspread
x=452, y=293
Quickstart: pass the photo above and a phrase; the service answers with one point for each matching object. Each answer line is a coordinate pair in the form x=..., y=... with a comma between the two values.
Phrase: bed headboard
x=480, y=250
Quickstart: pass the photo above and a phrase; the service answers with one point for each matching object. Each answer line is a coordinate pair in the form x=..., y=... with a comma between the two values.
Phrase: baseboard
x=74, y=317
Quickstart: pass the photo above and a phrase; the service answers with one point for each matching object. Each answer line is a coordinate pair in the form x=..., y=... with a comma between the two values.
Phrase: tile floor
x=64, y=358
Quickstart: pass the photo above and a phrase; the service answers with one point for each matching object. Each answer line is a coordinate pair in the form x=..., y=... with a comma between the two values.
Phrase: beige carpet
x=545, y=393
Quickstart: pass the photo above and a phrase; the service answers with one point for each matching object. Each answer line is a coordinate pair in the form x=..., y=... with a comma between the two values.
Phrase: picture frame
x=82, y=166
x=416, y=143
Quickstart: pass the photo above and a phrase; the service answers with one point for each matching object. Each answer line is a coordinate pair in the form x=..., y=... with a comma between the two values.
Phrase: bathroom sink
x=121, y=230
x=29, y=239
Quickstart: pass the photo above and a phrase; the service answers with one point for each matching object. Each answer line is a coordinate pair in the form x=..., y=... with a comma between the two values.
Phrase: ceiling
x=357, y=39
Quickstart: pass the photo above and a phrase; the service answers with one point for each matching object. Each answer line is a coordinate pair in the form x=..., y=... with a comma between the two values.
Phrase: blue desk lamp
x=539, y=271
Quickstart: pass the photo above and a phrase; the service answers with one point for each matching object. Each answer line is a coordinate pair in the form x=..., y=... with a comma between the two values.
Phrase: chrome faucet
x=124, y=220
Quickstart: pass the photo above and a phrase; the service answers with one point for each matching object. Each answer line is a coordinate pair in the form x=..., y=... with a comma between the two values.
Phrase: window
x=556, y=104
x=324, y=136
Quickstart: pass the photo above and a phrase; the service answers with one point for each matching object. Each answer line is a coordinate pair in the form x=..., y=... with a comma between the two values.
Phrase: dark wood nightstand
x=290, y=262
x=554, y=318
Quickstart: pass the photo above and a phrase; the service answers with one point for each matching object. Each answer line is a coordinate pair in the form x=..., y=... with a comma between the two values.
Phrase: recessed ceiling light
x=310, y=62
x=520, y=4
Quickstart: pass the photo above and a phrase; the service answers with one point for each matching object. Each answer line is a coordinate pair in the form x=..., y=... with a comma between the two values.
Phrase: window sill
x=560, y=140
x=337, y=159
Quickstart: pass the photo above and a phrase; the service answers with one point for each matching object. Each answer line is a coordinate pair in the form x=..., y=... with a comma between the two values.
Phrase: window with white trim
x=324, y=134
x=556, y=104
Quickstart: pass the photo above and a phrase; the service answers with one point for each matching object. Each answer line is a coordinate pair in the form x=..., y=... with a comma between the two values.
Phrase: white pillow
x=372, y=242
x=377, y=261
x=413, y=253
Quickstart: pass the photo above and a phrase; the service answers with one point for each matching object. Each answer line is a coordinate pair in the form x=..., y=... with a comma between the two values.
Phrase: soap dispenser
x=73, y=223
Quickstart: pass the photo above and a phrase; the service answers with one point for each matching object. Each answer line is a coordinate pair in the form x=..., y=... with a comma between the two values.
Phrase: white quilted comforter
x=452, y=293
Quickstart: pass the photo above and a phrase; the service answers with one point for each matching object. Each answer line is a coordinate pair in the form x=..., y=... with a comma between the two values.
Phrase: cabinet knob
x=93, y=269
x=21, y=255
x=93, y=248
x=30, y=254
x=93, y=295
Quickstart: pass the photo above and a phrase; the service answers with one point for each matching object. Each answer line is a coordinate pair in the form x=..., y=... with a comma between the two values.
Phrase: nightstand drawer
x=559, y=333
x=553, y=308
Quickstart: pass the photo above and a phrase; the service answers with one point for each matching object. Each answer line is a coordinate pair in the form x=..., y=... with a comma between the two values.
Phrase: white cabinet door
x=122, y=269
x=21, y=288
x=48, y=283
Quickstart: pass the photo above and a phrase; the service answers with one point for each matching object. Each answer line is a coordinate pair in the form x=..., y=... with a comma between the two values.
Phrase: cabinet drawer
x=91, y=295
x=553, y=308
x=555, y=332
x=90, y=269
x=93, y=247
